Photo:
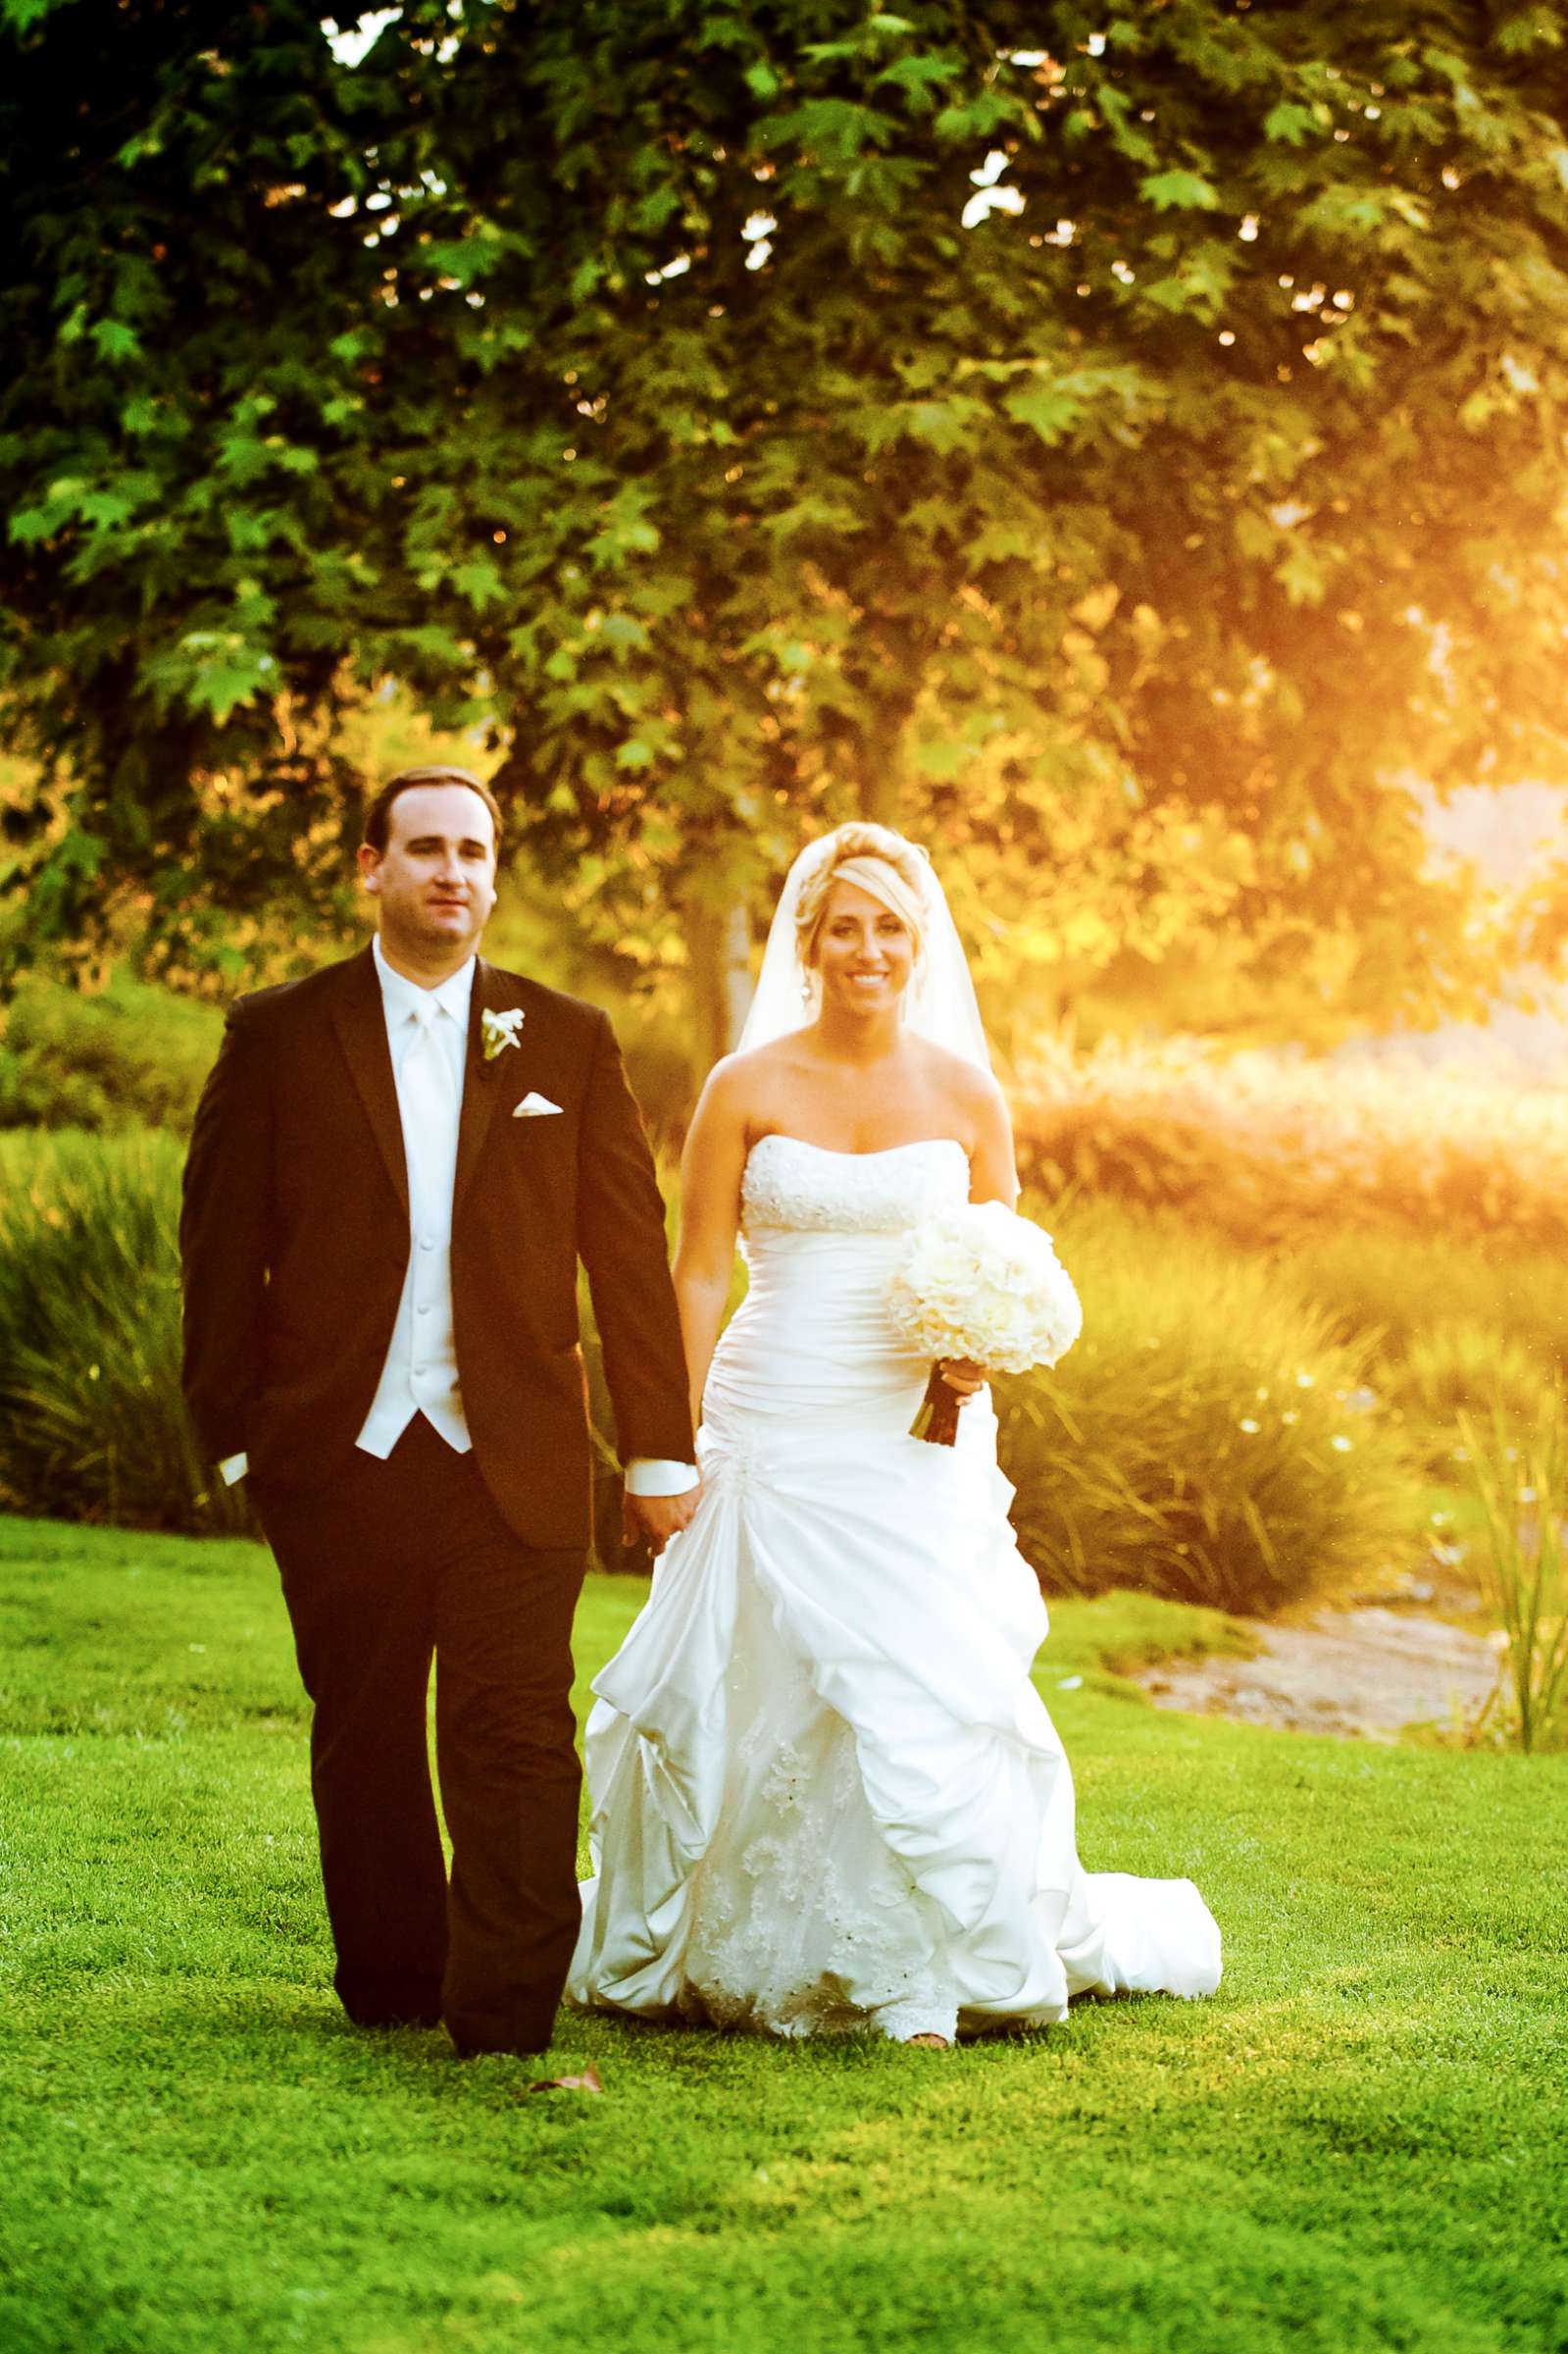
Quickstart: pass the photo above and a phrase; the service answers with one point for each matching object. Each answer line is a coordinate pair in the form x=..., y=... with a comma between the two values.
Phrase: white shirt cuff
x=232, y=1467
x=646, y=1475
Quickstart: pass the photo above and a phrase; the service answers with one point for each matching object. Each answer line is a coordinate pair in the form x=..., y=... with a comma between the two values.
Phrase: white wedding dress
x=825, y=1794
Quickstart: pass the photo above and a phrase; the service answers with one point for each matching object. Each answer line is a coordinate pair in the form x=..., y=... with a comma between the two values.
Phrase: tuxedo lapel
x=361, y=1025
x=482, y=1082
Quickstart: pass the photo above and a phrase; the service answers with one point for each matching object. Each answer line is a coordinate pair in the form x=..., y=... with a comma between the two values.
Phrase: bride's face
x=863, y=951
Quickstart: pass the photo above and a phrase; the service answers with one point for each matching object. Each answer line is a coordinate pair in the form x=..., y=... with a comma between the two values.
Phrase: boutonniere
x=498, y=1031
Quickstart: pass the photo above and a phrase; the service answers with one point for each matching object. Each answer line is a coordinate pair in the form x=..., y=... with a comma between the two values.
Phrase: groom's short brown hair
x=377, y=817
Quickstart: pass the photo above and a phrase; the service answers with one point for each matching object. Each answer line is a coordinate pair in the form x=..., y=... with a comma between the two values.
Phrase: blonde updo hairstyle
x=876, y=861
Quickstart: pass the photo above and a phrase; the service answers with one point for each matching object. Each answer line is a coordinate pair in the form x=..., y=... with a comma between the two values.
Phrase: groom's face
x=434, y=882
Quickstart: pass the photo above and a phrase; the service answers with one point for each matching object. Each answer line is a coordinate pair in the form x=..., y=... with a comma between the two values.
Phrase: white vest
x=419, y=1374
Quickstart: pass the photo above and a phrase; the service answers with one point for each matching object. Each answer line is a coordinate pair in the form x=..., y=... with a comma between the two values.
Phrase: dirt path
x=1366, y=1671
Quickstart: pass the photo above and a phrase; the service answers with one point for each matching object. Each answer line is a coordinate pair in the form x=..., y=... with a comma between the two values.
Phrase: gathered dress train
x=826, y=1795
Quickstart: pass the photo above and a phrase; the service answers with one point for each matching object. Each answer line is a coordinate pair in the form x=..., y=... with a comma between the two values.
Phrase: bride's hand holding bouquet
x=980, y=1287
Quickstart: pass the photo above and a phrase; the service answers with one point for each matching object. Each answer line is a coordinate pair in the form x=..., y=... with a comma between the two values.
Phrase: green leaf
x=210, y=671
x=975, y=118
x=623, y=634
x=115, y=340
x=1348, y=211
x=1169, y=190
x=466, y=259
x=1055, y=406
x=835, y=128
x=725, y=31
x=432, y=641
x=479, y=581
x=27, y=526
x=941, y=424
x=1530, y=29
x=1290, y=122
x=106, y=508
x=920, y=73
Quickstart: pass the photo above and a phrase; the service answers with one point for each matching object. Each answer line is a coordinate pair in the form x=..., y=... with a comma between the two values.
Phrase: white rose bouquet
x=982, y=1283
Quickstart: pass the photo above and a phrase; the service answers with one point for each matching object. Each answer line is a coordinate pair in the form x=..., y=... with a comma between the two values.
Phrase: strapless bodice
x=812, y=1344
x=793, y=1187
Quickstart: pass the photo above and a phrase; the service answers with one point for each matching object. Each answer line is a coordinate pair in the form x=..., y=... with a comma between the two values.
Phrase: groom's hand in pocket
x=657, y=1518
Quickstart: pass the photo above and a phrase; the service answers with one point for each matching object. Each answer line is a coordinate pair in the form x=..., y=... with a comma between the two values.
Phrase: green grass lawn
x=1362, y=2142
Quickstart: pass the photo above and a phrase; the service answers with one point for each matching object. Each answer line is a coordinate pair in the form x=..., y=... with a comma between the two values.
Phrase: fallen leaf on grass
x=589, y=2081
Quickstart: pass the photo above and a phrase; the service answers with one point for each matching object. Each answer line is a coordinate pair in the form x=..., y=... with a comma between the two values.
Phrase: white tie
x=428, y=1093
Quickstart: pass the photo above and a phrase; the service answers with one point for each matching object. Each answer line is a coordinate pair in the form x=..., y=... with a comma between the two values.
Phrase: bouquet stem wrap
x=939, y=1408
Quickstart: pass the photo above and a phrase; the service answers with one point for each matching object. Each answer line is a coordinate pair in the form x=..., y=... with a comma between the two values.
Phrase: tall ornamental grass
x=1261, y=1144
x=1521, y=1479
x=1209, y=1438
x=1456, y=1369
x=93, y=1426
x=1402, y=1284
x=1205, y=1440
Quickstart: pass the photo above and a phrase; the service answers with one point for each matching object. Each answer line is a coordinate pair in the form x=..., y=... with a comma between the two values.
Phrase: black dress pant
x=393, y=1563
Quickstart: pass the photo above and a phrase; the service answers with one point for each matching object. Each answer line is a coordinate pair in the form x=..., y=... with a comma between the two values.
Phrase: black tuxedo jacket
x=295, y=1241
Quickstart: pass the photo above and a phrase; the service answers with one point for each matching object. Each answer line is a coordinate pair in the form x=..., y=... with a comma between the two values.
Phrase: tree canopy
x=1120, y=440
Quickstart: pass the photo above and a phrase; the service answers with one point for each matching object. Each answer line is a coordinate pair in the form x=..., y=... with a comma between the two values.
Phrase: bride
x=825, y=1794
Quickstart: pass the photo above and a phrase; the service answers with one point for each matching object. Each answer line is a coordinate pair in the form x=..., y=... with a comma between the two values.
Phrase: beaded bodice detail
x=791, y=1186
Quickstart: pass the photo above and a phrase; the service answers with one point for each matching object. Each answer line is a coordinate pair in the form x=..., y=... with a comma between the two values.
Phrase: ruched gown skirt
x=825, y=1794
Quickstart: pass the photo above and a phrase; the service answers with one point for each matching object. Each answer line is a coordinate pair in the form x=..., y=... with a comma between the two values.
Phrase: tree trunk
x=882, y=795
x=718, y=959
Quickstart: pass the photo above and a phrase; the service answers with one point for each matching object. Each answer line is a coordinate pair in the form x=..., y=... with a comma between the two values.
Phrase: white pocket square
x=534, y=1106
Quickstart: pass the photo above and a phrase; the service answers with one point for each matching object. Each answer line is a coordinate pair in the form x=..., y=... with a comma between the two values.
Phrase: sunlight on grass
x=1358, y=2144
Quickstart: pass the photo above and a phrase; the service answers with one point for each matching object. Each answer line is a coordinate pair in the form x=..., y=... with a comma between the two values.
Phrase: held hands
x=658, y=1518
x=962, y=1376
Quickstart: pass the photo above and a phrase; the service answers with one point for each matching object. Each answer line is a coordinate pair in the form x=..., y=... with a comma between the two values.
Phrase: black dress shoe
x=486, y=2049
x=391, y=2003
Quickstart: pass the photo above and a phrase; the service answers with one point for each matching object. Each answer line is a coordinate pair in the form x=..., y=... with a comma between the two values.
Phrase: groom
x=396, y=1166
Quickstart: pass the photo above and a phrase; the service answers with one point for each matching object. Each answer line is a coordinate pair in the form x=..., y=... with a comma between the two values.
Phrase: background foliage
x=1119, y=443
x=1211, y=1438
x=1266, y=1147
x=1208, y=1438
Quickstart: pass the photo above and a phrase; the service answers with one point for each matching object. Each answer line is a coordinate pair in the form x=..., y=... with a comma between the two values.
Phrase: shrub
x=132, y=1055
x=93, y=1426
x=1458, y=1368
x=1203, y=1441
x=1260, y=1144
x=1397, y=1284
x=1209, y=1438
